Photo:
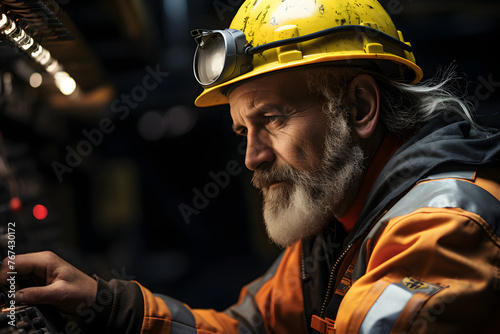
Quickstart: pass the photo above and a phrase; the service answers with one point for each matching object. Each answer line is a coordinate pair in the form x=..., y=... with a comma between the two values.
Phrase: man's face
x=282, y=124
x=303, y=158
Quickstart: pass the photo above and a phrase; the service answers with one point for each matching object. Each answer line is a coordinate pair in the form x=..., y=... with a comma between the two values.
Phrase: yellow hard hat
x=272, y=35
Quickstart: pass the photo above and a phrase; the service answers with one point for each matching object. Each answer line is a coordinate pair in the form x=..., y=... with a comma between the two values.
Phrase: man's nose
x=259, y=150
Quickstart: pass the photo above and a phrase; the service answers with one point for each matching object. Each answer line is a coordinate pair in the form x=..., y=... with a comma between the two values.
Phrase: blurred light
x=179, y=52
x=39, y=54
x=28, y=44
x=35, y=80
x=7, y=83
x=152, y=126
x=3, y=21
x=40, y=212
x=15, y=204
x=180, y=120
x=7, y=26
x=65, y=83
x=53, y=67
x=19, y=35
x=44, y=57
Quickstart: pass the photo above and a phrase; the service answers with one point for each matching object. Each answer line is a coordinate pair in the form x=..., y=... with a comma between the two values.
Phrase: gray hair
x=405, y=108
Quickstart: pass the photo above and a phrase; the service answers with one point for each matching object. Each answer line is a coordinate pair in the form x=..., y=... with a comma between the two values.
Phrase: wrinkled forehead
x=282, y=88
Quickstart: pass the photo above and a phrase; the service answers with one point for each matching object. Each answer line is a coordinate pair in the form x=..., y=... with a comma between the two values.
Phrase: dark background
x=117, y=211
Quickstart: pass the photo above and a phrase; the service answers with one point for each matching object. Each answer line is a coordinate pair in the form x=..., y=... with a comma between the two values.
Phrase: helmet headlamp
x=220, y=55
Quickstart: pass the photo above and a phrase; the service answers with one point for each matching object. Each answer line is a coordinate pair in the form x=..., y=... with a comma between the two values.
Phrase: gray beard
x=306, y=202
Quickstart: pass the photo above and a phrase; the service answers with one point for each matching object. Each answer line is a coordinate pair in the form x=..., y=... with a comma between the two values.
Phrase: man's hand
x=59, y=283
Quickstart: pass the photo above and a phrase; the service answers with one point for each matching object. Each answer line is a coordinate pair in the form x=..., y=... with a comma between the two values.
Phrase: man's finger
x=29, y=264
x=39, y=295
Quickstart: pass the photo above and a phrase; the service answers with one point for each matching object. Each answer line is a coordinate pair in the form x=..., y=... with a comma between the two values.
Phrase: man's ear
x=365, y=111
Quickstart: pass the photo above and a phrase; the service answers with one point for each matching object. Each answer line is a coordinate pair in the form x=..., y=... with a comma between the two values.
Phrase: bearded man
x=383, y=192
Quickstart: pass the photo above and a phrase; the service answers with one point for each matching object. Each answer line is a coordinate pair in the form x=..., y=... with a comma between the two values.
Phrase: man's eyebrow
x=254, y=114
x=259, y=111
x=237, y=128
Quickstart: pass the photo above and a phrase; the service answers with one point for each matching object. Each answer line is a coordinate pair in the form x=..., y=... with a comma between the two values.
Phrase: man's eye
x=272, y=119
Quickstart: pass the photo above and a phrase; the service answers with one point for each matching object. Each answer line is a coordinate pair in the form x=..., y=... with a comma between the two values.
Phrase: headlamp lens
x=210, y=59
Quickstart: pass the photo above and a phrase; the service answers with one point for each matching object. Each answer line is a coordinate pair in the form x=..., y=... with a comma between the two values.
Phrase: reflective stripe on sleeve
x=383, y=314
x=183, y=321
x=387, y=308
x=247, y=312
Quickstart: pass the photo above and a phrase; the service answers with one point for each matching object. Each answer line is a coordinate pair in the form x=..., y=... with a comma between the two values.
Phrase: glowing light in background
x=35, y=80
x=15, y=204
x=152, y=126
x=40, y=212
x=65, y=83
x=180, y=120
x=176, y=121
x=38, y=53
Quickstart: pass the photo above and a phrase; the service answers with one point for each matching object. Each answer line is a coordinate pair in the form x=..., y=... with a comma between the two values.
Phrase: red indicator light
x=40, y=212
x=15, y=204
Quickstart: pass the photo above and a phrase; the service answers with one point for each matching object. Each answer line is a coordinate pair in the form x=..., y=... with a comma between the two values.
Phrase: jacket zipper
x=303, y=274
x=303, y=269
x=330, y=280
x=337, y=262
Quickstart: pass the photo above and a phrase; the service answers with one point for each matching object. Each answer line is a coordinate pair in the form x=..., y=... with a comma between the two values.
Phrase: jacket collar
x=439, y=144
